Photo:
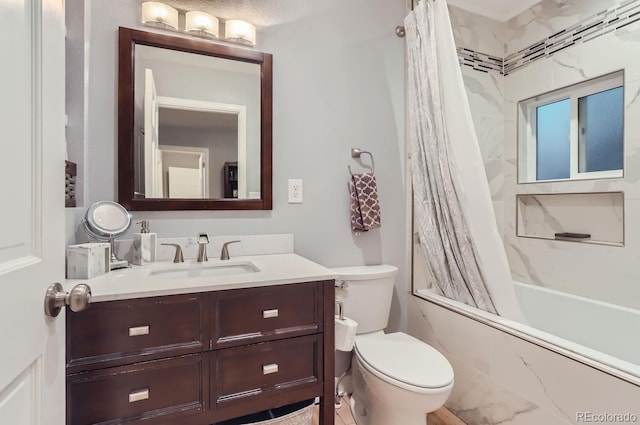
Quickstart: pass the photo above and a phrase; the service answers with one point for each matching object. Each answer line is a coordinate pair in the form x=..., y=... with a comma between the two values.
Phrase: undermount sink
x=198, y=270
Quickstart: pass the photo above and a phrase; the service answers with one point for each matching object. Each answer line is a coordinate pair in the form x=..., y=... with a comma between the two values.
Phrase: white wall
x=338, y=82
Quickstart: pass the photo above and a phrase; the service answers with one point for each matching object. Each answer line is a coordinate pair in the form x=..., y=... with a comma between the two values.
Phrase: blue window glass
x=553, y=148
x=600, y=136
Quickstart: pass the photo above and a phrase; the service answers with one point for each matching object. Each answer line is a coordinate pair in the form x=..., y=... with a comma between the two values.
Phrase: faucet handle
x=178, y=258
x=224, y=254
x=203, y=238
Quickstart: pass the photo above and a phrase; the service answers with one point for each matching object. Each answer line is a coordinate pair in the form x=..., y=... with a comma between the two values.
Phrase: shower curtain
x=452, y=203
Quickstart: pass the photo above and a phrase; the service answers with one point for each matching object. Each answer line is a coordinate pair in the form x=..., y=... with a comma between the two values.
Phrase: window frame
x=527, y=120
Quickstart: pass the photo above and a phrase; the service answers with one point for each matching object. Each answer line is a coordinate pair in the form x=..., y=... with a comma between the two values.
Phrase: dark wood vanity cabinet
x=203, y=358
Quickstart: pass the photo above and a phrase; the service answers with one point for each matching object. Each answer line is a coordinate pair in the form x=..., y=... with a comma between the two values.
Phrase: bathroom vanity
x=160, y=347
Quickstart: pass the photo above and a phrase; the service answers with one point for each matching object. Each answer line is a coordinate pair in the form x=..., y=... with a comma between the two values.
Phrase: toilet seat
x=404, y=361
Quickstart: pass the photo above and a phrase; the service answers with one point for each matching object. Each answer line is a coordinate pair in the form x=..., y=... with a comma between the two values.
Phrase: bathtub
x=601, y=335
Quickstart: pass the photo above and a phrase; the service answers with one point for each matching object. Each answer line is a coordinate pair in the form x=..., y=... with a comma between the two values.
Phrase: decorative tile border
x=480, y=61
x=605, y=22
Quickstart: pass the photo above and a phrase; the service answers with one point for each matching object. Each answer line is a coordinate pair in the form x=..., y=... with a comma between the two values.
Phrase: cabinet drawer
x=119, y=332
x=259, y=314
x=261, y=369
x=153, y=391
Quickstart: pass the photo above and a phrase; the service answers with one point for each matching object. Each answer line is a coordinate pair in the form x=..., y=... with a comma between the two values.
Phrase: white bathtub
x=601, y=335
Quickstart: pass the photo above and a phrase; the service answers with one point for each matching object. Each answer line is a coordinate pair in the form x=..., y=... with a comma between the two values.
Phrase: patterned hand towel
x=365, y=209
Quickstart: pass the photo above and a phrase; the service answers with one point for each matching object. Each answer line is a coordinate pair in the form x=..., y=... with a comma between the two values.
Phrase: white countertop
x=143, y=281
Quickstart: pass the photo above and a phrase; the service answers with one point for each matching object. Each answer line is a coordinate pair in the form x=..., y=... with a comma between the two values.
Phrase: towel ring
x=356, y=153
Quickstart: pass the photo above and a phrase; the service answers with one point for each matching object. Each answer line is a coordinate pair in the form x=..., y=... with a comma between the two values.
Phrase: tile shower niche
x=595, y=218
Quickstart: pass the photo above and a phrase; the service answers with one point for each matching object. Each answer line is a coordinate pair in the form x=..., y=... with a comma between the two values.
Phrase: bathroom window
x=573, y=133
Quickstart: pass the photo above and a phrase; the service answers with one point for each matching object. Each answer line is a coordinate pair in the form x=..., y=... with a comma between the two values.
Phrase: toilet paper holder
x=340, y=305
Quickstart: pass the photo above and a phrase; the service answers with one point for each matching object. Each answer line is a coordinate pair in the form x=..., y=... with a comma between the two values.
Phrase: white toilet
x=397, y=379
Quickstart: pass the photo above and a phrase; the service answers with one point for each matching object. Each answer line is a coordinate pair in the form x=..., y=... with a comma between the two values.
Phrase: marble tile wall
x=550, y=17
x=480, y=41
x=485, y=94
x=551, y=27
x=582, y=30
x=615, y=48
x=481, y=38
x=601, y=215
x=502, y=379
x=478, y=33
x=601, y=272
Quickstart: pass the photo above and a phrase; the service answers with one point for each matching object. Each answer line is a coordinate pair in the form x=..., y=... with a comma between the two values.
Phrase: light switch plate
x=295, y=191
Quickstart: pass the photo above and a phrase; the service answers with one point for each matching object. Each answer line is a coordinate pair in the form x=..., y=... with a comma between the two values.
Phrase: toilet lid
x=405, y=359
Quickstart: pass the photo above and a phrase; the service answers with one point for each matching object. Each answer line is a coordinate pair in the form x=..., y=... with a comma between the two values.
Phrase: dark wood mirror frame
x=128, y=38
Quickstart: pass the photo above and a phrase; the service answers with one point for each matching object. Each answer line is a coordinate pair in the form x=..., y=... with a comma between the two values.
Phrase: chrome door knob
x=78, y=299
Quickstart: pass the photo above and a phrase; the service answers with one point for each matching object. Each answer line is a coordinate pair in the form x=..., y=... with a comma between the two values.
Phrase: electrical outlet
x=295, y=191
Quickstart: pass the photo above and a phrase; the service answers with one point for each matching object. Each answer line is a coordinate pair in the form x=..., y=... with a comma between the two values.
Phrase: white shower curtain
x=452, y=203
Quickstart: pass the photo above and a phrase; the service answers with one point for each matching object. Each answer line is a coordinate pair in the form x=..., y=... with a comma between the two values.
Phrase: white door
x=32, y=84
x=152, y=184
x=185, y=183
x=187, y=157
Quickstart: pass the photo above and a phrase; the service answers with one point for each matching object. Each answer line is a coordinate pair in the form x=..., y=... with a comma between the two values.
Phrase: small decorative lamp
x=240, y=31
x=160, y=15
x=202, y=24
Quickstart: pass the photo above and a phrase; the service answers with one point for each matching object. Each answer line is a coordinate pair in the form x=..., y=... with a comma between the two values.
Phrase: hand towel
x=365, y=208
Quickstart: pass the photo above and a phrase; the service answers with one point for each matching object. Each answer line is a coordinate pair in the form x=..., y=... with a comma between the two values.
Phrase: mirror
x=106, y=221
x=194, y=124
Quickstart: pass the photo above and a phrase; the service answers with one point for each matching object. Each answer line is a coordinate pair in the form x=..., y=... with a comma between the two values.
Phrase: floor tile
x=343, y=416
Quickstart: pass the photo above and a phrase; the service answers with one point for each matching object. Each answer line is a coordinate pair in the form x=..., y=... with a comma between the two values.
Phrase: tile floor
x=343, y=416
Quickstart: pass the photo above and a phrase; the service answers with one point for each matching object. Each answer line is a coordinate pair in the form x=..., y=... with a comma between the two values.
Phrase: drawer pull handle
x=270, y=368
x=268, y=314
x=138, y=395
x=139, y=330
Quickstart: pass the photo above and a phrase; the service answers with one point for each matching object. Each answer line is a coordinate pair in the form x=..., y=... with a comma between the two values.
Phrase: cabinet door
x=244, y=316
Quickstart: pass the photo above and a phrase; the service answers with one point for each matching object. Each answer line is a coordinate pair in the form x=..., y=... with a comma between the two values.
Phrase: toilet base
x=381, y=416
x=377, y=402
x=358, y=413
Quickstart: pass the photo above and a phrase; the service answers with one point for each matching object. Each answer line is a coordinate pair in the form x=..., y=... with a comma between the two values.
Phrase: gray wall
x=338, y=83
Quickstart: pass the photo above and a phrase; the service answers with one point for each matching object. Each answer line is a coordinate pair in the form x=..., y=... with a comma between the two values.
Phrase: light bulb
x=240, y=31
x=203, y=24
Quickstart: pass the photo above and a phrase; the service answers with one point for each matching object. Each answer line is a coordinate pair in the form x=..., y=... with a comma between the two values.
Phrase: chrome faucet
x=177, y=258
x=203, y=240
x=224, y=254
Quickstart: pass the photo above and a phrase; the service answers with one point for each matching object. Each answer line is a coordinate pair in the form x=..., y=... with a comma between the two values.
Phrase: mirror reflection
x=197, y=123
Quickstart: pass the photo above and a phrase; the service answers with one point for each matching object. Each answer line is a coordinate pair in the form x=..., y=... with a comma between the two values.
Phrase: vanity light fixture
x=202, y=24
x=160, y=15
x=240, y=31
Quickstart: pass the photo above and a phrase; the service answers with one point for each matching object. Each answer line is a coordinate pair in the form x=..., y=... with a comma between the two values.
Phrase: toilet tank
x=367, y=294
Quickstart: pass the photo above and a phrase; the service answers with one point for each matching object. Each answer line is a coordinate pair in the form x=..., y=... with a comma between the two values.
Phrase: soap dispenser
x=144, y=245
